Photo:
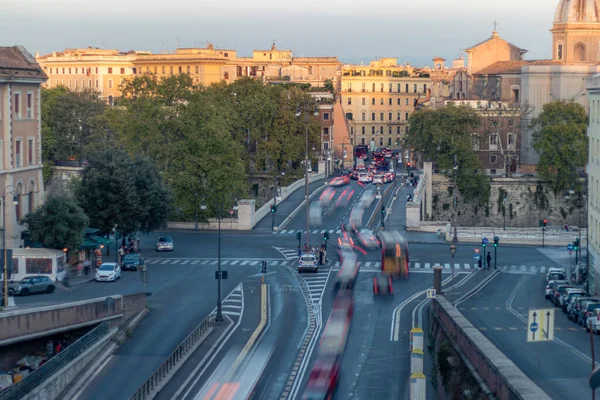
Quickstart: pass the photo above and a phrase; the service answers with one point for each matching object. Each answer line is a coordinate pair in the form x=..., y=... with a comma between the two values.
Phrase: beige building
x=593, y=170
x=20, y=139
x=105, y=70
x=378, y=99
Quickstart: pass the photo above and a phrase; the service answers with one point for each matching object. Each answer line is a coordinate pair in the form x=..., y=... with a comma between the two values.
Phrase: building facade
x=379, y=98
x=20, y=139
x=593, y=170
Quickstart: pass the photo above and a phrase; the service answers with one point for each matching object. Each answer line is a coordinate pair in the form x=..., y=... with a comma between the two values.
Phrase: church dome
x=577, y=11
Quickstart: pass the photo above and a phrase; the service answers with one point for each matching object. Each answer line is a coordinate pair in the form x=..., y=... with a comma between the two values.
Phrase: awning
x=94, y=242
x=101, y=240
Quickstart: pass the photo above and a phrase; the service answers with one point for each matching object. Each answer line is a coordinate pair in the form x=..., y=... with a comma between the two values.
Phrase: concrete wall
x=22, y=325
x=54, y=386
x=496, y=371
x=525, y=205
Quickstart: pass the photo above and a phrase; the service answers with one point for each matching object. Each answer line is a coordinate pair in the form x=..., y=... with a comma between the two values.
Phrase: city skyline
x=159, y=28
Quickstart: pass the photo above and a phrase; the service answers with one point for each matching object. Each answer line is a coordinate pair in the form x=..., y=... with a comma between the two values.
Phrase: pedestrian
x=479, y=262
x=305, y=247
x=489, y=260
x=79, y=268
x=86, y=266
x=299, y=251
x=566, y=227
x=49, y=349
x=58, y=348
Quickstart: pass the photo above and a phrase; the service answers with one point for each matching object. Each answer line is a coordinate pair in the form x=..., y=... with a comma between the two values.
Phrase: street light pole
x=306, y=178
x=274, y=200
x=219, y=316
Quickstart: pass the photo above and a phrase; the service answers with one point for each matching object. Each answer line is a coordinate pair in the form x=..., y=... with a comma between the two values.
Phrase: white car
x=593, y=321
x=308, y=262
x=315, y=213
x=108, y=272
x=378, y=179
x=364, y=177
x=367, y=198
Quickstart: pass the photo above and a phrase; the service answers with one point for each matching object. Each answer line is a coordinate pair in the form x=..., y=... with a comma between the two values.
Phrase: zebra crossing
x=316, y=283
x=233, y=304
x=314, y=232
x=291, y=256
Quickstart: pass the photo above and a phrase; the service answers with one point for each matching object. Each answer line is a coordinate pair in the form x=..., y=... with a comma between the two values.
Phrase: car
x=555, y=271
x=586, y=308
x=364, y=177
x=340, y=181
x=551, y=285
x=568, y=295
x=576, y=309
x=367, y=239
x=30, y=285
x=593, y=321
x=308, y=262
x=108, y=272
x=327, y=195
x=367, y=198
x=131, y=262
x=557, y=292
x=164, y=243
x=346, y=277
x=315, y=213
x=378, y=178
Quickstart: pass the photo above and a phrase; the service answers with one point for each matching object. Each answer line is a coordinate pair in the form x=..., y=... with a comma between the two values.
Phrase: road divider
x=297, y=210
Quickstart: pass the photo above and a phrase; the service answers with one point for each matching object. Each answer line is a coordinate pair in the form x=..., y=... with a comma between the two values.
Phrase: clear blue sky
x=413, y=31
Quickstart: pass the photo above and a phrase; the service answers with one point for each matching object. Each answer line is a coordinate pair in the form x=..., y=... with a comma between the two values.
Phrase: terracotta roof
x=513, y=67
x=16, y=62
x=494, y=36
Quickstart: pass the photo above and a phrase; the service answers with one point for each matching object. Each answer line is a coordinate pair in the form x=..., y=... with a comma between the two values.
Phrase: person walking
x=489, y=260
x=86, y=266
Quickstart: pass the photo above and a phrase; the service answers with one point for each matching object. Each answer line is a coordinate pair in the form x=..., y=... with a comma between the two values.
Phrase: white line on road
x=176, y=262
x=233, y=262
x=427, y=265
x=254, y=263
x=166, y=261
x=244, y=263
x=446, y=265
x=185, y=262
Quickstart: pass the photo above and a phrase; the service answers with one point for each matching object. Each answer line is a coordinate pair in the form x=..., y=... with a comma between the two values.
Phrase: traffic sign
x=569, y=251
x=477, y=257
x=431, y=293
x=484, y=240
x=476, y=250
x=540, y=325
x=570, y=247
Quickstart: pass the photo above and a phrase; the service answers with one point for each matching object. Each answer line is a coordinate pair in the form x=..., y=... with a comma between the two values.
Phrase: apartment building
x=593, y=189
x=379, y=98
x=20, y=139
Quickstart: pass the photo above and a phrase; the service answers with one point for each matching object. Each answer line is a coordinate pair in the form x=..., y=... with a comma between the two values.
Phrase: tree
x=506, y=118
x=67, y=122
x=328, y=85
x=445, y=133
x=59, y=223
x=116, y=190
x=559, y=136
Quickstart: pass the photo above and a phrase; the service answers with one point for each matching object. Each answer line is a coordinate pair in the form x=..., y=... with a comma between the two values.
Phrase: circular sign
x=570, y=247
x=476, y=250
x=485, y=240
x=477, y=257
x=533, y=327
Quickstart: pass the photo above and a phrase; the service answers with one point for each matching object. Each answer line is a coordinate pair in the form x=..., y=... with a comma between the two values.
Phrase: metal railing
x=151, y=387
x=55, y=364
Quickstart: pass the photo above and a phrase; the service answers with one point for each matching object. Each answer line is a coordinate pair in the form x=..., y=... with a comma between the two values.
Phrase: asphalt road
x=561, y=367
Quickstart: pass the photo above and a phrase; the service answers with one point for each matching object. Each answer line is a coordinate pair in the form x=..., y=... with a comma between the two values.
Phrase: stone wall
x=526, y=204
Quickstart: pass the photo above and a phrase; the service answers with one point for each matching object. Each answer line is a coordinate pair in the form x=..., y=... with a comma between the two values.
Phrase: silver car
x=31, y=284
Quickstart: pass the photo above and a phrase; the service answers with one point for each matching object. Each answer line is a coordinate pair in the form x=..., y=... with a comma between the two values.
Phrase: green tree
x=445, y=133
x=116, y=190
x=328, y=85
x=59, y=223
x=559, y=136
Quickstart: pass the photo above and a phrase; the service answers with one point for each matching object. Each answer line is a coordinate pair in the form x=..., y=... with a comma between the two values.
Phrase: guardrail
x=55, y=364
x=153, y=385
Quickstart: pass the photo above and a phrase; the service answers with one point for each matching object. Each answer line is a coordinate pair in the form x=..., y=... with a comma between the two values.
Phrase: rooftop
x=16, y=62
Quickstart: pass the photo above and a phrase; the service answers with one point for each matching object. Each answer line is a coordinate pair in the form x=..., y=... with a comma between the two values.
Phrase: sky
x=414, y=31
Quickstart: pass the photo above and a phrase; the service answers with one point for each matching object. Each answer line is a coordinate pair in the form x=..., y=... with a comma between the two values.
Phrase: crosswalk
x=316, y=283
x=291, y=256
x=314, y=232
x=233, y=304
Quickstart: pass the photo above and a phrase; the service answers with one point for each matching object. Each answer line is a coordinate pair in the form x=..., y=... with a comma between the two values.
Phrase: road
x=561, y=367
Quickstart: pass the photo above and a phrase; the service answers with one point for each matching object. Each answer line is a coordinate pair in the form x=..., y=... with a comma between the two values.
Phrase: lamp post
x=452, y=253
x=15, y=202
x=116, y=243
x=306, y=121
x=219, y=275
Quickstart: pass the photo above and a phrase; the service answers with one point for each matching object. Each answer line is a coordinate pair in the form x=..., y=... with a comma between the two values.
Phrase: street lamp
x=452, y=253
x=114, y=229
x=15, y=202
x=219, y=275
x=306, y=121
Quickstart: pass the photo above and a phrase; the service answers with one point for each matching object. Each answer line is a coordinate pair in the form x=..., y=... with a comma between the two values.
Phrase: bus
x=361, y=151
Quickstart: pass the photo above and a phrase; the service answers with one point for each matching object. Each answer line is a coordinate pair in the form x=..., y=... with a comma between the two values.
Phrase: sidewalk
x=75, y=280
x=396, y=220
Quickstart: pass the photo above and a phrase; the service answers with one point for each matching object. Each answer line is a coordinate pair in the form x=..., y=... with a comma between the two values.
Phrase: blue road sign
x=570, y=247
x=534, y=327
x=477, y=257
x=485, y=240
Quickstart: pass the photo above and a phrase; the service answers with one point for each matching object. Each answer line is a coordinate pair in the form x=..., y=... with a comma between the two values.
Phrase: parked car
x=587, y=306
x=164, y=243
x=550, y=287
x=557, y=293
x=131, y=262
x=556, y=276
x=577, y=307
x=108, y=272
x=593, y=321
x=30, y=285
x=568, y=295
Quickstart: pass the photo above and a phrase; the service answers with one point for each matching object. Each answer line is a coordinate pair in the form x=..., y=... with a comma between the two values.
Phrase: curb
x=293, y=213
x=70, y=286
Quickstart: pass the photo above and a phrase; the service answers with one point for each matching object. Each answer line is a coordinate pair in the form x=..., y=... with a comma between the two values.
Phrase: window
x=381, y=101
x=349, y=86
x=493, y=159
x=389, y=141
x=110, y=83
x=363, y=87
x=363, y=101
x=373, y=101
x=326, y=116
x=96, y=83
x=69, y=71
x=510, y=141
x=38, y=266
x=390, y=129
x=398, y=130
x=349, y=100
x=29, y=105
x=70, y=83
x=171, y=70
x=559, y=52
x=18, y=153
x=390, y=117
x=364, y=117
x=372, y=116
x=398, y=101
x=381, y=141
x=390, y=101
x=407, y=88
x=406, y=116
x=164, y=70
x=362, y=141
x=226, y=75
x=63, y=71
x=406, y=101
x=381, y=116
x=373, y=87
x=15, y=266
x=76, y=83
x=109, y=70
x=372, y=130
x=96, y=69
x=50, y=70
x=424, y=88
x=475, y=141
x=515, y=96
x=390, y=87
x=325, y=145
x=381, y=88
x=110, y=100
x=363, y=130
x=76, y=70
x=325, y=131
x=415, y=88
x=17, y=106
x=494, y=141
x=30, y=151
x=398, y=116
x=399, y=86
x=29, y=202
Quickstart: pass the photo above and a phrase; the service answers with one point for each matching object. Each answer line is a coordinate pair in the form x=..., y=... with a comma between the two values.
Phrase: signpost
x=431, y=293
x=540, y=328
x=477, y=257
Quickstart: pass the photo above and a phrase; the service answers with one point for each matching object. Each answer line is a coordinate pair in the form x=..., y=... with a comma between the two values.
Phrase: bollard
x=437, y=279
x=416, y=361
x=416, y=339
x=417, y=386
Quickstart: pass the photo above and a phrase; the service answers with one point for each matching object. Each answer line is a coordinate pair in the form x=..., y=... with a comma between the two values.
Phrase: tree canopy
x=117, y=190
x=443, y=133
x=59, y=223
x=559, y=136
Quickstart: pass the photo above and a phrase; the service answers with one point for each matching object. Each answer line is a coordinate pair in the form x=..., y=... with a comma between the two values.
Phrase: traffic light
x=263, y=268
x=545, y=223
x=482, y=243
x=382, y=211
x=273, y=208
x=576, y=244
x=298, y=235
x=326, y=235
x=496, y=241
